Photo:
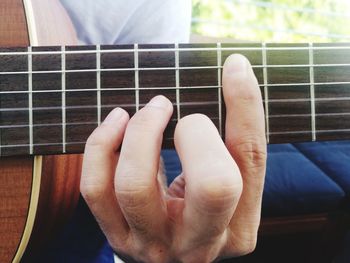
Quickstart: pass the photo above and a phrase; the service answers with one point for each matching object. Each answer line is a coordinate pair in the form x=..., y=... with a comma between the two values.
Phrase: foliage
x=273, y=20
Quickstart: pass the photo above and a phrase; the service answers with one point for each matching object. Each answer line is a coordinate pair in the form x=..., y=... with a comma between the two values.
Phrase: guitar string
x=191, y=88
x=188, y=68
x=183, y=104
x=188, y=103
x=272, y=134
x=45, y=125
x=123, y=49
x=191, y=49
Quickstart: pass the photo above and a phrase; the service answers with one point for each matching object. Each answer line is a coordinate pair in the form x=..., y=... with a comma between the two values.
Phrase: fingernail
x=236, y=64
x=159, y=102
x=113, y=116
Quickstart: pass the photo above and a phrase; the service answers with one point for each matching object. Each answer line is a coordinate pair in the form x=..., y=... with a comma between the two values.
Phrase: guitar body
x=37, y=194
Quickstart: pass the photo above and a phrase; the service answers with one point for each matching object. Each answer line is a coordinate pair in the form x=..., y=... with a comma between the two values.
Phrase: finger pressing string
x=136, y=184
x=100, y=160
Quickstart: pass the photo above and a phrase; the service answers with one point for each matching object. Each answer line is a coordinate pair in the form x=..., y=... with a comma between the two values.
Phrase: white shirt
x=130, y=21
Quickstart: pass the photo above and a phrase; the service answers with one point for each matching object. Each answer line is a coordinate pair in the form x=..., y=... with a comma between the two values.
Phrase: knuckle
x=251, y=152
x=121, y=245
x=131, y=194
x=243, y=243
x=219, y=193
x=92, y=193
x=246, y=248
x=131, y=197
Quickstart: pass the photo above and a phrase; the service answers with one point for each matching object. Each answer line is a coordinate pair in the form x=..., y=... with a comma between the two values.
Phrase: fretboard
x=51, y=98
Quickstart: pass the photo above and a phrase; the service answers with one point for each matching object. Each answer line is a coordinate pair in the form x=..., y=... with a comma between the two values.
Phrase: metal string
x=170, y=138
x=93, y=70
x=174, y=49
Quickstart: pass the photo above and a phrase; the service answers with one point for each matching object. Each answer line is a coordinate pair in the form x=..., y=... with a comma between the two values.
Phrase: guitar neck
x=51, y=98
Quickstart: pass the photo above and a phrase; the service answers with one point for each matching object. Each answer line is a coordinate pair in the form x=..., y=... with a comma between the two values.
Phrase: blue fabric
x=295, y=185
x=333, y=158
x=300, y=179
x=172, y=164
x=82, y=241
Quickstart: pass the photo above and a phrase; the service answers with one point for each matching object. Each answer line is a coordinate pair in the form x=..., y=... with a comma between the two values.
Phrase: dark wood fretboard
x=51, y=98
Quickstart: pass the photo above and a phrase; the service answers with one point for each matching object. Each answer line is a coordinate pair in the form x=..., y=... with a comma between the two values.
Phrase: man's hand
x=212, y=210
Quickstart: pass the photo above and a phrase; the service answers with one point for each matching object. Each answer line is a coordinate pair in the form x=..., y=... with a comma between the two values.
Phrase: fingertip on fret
x=114, y=116
x=236, y=63
x=160, y=101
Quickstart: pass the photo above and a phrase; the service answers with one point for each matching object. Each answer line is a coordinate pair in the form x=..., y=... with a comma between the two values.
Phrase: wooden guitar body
x=37, y=192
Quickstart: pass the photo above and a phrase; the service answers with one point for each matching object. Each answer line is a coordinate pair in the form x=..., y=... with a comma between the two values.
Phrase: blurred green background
x=273, y=20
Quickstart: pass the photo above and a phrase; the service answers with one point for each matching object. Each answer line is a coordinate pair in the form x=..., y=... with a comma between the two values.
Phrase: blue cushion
x=172, y=164
x=333, y=158
x=295, y=185
x=82, y=241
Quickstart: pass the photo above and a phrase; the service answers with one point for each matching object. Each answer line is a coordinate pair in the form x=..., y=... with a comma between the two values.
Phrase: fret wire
x=306, y=115
x=177, y=79
x=83, y=143
x=63, y=83
x=137, y=81
x=266, y=92
x=219, y=62
x=98, y=83
x=130, y=50
x=169, y=68
x=30, y=99
x=312, y=92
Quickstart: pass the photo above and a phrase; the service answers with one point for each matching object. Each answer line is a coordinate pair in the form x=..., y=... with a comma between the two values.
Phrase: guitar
x=36, y=192
x=54, y=93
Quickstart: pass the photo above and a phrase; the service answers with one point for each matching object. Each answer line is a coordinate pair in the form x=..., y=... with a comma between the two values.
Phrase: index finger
x=136, y=183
